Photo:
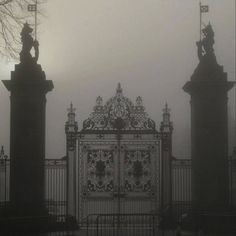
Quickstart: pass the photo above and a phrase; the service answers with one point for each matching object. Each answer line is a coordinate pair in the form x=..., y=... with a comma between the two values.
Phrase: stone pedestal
x=28, y=87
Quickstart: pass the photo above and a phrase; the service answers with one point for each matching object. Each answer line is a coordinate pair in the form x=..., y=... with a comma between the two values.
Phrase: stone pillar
x=209, y=128
x=28, y=87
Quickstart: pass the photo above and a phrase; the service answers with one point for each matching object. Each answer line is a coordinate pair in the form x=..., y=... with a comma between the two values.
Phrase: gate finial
x=119, y=89
x=166, y=124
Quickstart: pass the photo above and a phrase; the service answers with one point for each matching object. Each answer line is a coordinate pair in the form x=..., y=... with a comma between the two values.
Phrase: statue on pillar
x=205, y=46
x=27, y=44
x=207, y=59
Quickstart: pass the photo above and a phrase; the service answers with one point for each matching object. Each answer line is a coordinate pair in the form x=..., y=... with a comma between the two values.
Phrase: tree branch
x=13, y=14
x=5, y=2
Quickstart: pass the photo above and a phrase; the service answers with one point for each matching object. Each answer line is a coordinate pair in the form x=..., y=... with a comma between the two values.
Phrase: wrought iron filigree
x=100, y=166
x=119, y=107
x=137, y=171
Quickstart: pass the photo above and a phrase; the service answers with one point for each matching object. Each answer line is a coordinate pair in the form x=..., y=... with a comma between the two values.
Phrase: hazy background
x=88, y=46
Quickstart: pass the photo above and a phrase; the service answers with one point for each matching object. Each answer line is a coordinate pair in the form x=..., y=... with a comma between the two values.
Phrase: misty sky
x=88, y=46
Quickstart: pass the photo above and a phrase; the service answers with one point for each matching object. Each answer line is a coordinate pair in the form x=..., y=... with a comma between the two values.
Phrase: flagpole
x=35, y=15
x=200, y=21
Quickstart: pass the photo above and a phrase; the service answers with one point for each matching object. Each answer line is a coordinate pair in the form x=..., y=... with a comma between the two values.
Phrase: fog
x=87, y=47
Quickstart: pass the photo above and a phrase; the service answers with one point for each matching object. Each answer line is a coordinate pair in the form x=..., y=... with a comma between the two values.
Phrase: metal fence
x=182, y=200
x=57, y=221
x=4, y=180
x=39, y=225
x=56, y=195
x=55, y=185
x=181, y=181
x=122, y=225
x=232, y=181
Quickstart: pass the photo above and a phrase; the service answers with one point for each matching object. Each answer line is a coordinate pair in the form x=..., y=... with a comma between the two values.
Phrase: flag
x=32, y=7
x=204, y=8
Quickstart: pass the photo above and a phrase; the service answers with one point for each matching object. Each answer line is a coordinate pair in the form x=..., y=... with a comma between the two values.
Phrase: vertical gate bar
x=174, y=179
x=231, y=180
x=87, y=225
x=97, y=219
x=182, y=184
x=185, y=183
x=49, y=183
x=51, y=187
x=8, y=180
x=46, y=182
x=67, y=184
x=63, y=189
x=58, y=192
x=74, y=177
x=176, y=184
x=59, y=171
x=46, y=185
x=187, y=177
x=179, y=184
x=54, y=188
x=5, y=162
x=190, y=182
x=65, y=199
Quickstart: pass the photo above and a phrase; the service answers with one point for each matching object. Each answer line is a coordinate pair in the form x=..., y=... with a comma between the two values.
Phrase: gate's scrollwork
x=137, y=171
x=119, y=106
x=100, y=164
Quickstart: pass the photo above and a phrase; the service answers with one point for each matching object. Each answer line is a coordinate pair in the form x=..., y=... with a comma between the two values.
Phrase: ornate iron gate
x=118, y=178
x=117, y=167
x=115, y=159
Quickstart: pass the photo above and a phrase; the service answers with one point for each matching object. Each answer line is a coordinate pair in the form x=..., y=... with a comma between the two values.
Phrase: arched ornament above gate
x=119, y=107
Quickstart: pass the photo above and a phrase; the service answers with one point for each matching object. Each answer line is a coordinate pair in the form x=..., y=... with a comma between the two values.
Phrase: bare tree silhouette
x=13, y=14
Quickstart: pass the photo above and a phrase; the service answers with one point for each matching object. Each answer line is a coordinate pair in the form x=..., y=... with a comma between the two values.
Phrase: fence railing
x=4, y=180
x=122, y=225
x=181, y=181
x=44, y=225
x=232, y=181
x=56, y=197
x=181, y=211
x=55, y=185
x=57, y=222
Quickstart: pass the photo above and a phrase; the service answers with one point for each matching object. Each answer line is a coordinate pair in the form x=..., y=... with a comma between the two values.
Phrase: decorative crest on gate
x=119, y=107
